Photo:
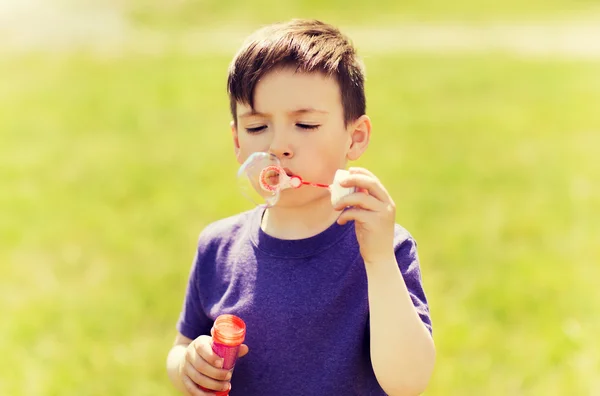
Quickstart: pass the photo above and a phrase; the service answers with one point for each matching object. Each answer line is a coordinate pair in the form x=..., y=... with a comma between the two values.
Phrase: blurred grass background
x=185, y=14
x=107, y=175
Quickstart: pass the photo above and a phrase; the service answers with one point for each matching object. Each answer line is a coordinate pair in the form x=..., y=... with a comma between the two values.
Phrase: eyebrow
x=305, y=110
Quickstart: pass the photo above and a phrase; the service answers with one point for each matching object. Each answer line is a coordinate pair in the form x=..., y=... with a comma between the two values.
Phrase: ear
x=359, y=137
x=236, y=141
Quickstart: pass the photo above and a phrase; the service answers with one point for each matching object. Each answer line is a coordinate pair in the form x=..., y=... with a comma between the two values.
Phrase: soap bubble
x=259, y=178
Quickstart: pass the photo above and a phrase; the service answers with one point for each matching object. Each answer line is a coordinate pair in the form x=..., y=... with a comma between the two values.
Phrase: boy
x=331, y=294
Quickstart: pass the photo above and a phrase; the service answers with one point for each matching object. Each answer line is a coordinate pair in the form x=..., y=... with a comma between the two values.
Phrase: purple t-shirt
x=304, y=302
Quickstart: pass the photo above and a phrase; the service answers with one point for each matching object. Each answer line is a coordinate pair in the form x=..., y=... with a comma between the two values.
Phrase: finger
x=358, y=215
x=360, y=200
x=363, y=171
x=203, y=346
x=203, y=367
x=204, y=381
x=369, y=183
x=243, y=350
x=190, y=387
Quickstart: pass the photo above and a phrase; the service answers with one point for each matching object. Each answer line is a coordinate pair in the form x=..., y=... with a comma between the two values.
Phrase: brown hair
x=308, y=45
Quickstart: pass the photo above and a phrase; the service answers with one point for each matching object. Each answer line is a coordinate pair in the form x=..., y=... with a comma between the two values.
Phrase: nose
x=281, y=148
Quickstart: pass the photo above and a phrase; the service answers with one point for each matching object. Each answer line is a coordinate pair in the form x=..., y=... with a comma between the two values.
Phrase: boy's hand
x=202, y=367
x=373, y=212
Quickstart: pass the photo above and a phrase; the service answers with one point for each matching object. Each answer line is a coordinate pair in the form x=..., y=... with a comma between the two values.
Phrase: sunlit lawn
x=109, y=168
x=214, y=13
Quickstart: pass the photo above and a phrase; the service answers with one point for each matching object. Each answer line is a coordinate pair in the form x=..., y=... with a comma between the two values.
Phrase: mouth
x=269, y=178
x=272, y=177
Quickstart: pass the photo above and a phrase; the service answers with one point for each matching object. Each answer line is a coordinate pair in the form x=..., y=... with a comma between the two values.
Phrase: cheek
x=324, y=164
x=333, y=152
x=250, y=144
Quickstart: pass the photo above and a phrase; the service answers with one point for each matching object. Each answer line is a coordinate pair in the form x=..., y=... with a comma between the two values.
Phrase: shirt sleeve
x=408, y=261
x=193, y=321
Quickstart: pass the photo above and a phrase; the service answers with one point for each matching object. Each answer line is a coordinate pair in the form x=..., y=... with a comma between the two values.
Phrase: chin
x=295, y=198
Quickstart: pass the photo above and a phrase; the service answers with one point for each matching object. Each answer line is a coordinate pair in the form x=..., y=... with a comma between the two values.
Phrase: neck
x=299, y=222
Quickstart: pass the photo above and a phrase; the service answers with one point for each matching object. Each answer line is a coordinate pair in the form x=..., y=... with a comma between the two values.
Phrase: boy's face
x=299, y=118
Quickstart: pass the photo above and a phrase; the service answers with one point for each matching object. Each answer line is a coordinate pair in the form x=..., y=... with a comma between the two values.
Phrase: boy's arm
x=402, y=349
x=174, y=359
x=192, y=322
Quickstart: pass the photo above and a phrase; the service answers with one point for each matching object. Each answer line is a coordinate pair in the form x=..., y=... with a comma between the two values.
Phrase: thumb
x=243, y=350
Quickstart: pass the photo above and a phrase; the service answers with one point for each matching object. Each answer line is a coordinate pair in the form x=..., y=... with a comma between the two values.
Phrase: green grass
x=107, y=176
x=199, y=14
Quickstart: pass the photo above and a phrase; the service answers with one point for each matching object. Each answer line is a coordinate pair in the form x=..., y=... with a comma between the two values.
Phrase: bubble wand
x=262, y=178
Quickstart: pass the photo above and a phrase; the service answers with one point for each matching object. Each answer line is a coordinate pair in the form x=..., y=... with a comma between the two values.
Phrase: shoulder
x=405, y=247
x=226, y=230
x=402, y=237
x=407, y=257
x=228, y=225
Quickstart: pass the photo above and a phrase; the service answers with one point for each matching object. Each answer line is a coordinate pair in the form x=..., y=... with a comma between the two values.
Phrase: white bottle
x=337, y=191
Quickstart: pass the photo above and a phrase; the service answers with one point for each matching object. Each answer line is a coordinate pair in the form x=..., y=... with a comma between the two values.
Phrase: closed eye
x=307, y=126
x=256, y=129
